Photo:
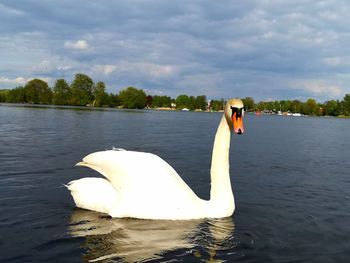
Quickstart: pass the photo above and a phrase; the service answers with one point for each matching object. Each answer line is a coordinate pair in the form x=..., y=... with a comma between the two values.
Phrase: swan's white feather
x=147, y=186
x=93, y=194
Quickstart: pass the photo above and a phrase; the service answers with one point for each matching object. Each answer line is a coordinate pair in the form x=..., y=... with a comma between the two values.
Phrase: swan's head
x=234, y=113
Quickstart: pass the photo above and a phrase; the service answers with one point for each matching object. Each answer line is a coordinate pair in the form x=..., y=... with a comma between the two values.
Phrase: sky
x=269, y=50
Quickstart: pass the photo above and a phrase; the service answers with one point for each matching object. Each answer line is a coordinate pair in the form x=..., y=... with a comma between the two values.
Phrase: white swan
x=142, y=185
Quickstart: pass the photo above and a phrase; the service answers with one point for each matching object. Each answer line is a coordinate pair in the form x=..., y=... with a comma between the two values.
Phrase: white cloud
x=333, y=61
x=160, y=70
x=15, y=81
x=154, y=92
x=330, y=15
x=20, y=81
x=8, y=10
x=50, y=66
x=43, y=66
x=46, y=79
x=105, y=69
x=78, y=45
x=64, y=68
x=318, y=88
x=151, y=69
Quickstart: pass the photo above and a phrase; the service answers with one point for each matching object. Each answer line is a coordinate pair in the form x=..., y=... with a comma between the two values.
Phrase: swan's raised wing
x=95, y=194
x=142, y=179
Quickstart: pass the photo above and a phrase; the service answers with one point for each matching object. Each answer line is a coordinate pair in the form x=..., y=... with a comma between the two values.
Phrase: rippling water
x=290, y=176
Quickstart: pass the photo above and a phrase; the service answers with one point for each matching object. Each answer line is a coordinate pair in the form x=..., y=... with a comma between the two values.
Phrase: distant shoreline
x=83, y=91
x=50, y=106
x=87, y=108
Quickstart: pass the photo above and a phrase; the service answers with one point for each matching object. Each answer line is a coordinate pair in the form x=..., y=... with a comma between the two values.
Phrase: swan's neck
x=221, y=196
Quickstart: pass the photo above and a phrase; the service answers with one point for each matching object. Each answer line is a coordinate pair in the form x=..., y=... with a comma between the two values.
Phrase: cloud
x=333, y=61
x=64, y=68
x=20, y=81
x=143, y=68
x=51, y=66
x=318, y=88
x=15, y=81
x=78, y=45
x=7, y=10
x=265, y=49
x=104, y=69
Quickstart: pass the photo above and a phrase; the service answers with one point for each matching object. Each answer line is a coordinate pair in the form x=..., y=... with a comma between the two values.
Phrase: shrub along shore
x=83, y=91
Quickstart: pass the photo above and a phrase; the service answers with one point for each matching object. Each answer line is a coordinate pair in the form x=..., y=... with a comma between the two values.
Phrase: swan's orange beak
x=237, y=121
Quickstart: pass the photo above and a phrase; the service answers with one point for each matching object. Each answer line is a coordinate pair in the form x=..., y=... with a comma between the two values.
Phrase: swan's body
x=142, y=185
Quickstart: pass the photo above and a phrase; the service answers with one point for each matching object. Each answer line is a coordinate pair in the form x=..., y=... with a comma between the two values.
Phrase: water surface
x=290, y=177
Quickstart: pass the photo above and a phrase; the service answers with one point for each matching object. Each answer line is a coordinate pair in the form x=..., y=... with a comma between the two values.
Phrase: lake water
x=290, y=177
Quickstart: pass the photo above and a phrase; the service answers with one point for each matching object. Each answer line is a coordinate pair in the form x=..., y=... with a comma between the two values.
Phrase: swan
x=142, y=185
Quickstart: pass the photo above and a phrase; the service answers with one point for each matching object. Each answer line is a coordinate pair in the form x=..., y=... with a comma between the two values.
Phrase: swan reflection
x=135, y=240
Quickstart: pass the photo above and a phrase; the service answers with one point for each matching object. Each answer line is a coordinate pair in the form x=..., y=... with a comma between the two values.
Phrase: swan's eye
x=239, y=111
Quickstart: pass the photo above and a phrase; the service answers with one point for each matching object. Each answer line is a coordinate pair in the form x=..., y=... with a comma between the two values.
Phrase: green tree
x=217, y=105
x=37, y=91
x=100, y=95
x=81, y=90
x=262, y=105
x=114, y=100
x=201, y=102
x=16, y=95
x=133, y=98
x=192, y=103
x=346, y=104
x=161, y=101
x=182, y=101
x=3, y=95
x=149, y=101
x=331, y=108
x=296, y=106
x=285, y=105
x=311, y=107
x=249, y=103
x=61, y=92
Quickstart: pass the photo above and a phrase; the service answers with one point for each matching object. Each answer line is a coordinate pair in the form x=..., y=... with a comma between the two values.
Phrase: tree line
x=83, y=91
x=309, y=107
